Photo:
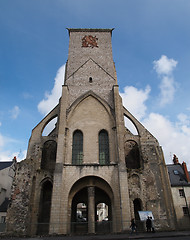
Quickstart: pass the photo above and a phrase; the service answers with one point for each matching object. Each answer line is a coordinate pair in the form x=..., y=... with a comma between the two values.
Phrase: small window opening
x=181, y=193
x=90, y=79
x=185, y=211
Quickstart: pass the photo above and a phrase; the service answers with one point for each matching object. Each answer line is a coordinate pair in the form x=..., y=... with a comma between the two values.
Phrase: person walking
x=152, y=224
x=133, y=226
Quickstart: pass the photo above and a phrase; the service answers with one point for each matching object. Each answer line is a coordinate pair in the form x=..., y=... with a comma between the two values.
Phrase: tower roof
x=90, y=30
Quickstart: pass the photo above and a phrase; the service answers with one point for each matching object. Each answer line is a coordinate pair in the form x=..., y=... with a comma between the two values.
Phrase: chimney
x=175, y=160
x=186, y=172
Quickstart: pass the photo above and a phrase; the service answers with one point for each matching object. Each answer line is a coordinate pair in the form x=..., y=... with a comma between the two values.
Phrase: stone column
x=58, y=220
x=91, y=212
x=123, y=221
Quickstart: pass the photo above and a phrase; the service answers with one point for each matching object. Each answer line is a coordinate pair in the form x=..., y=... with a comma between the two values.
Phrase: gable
x=91, y=76
x=89, y=112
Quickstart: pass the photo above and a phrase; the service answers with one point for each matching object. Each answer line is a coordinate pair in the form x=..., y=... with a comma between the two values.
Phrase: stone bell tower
x=90, y=165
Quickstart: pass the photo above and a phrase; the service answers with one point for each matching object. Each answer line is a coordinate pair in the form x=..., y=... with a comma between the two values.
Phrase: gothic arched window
x=77, y=150
x=132, y=155
x=103, y=147
x=49, y=156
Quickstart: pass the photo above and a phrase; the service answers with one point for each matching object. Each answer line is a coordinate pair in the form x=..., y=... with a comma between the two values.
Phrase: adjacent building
x=7, y=170
x=90, y=164
x=180, y=185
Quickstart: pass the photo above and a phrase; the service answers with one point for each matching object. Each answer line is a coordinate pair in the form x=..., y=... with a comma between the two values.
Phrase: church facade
x=90, y=165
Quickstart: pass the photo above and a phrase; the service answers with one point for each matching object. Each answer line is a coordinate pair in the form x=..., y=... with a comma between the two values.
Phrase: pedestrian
x=133, y=226
x=148, y=224
x=152, y=224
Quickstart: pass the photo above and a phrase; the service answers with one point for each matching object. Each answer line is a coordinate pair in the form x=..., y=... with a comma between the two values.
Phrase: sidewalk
x=141, y=235
x=124, y=236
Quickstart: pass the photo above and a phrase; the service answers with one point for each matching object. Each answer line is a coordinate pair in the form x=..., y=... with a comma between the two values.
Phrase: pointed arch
x=38, y=130
x=130, y=126
x=44, y=207
x=131, y=123
x=137, y=203
x=132, y=155
x=79, y=100
x=50, y=126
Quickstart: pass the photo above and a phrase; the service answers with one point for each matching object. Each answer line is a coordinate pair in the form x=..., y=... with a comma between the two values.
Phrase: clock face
x=89, y=41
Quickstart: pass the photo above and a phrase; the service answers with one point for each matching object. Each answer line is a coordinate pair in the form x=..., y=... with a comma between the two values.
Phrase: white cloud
x=167, y=88
x=164, y=68
x=7, y=155
x=52, y=99
x=15, y=112
x=173, y=136
x=134, y=100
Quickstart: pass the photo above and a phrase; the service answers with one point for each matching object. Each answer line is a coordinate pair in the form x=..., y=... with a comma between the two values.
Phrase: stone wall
x=18, y=216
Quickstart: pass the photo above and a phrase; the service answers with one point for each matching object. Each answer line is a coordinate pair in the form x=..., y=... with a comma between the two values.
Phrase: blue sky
x=151, y=50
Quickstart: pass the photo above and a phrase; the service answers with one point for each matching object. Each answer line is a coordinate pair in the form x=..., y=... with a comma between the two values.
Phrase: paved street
x=182, y=235
x=170, y=238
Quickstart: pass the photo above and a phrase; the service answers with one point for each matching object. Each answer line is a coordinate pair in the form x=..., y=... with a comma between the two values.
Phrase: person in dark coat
x=133, y=226
x=148, y=224
x=152, y=224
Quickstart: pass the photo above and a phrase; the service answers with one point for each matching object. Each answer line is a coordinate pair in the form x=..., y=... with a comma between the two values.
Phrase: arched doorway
x=90, y=197
x=44, y=208
x=78, y=218
x=138, y=207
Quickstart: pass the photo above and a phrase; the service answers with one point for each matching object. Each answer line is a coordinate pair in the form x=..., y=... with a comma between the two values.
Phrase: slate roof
x=5, y=164
x=4, y=205
x=177, y=175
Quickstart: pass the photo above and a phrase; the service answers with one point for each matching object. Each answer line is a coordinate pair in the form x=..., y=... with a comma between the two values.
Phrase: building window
x=181, y=193
x=77, y=149
x=132, y=155
x=185, y=211
x=176, y=172
x=3, y=219
x=49, y=156
x=103, y=147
